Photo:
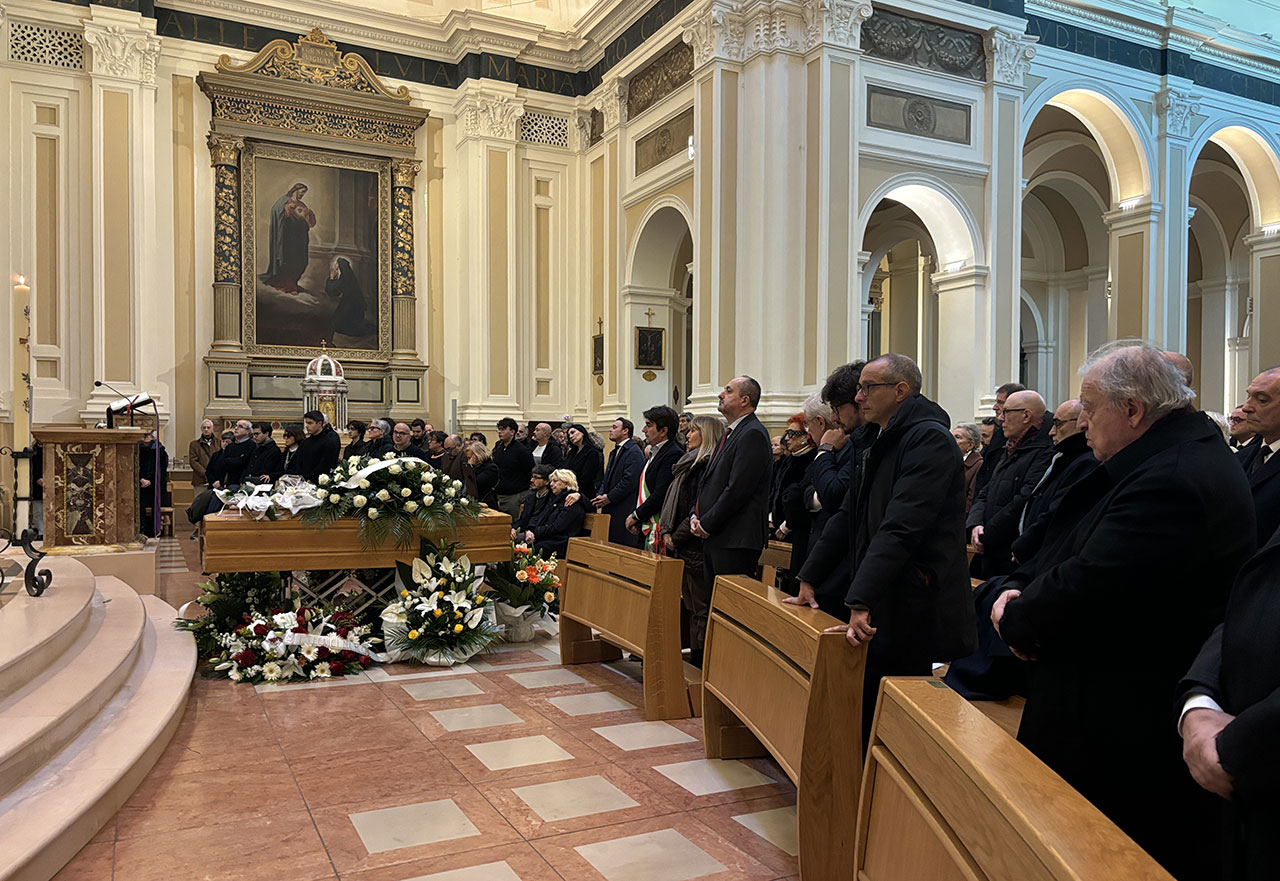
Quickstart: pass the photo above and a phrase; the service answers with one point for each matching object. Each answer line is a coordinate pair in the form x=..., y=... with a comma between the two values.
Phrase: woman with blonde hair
x=551, y=528
x=486, y=473
x=704, y=435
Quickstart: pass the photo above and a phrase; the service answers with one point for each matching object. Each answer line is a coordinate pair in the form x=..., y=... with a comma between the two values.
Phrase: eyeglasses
x=1007, y=410
x=867, y=386
x=1058, y=423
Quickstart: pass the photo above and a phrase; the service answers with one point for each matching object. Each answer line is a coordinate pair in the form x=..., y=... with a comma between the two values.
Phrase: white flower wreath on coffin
x=354, y=480
x=256, y=501
x=296, y=496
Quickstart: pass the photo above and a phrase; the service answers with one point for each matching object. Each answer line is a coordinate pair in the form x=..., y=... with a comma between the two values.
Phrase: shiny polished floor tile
x=664, y=855
x=548, y=678
x=411, y=825
x=499, y=871
x=434, y=691
x=466, y=718
x=777, y=826
x=563, y=799
x=538, y=749
x=589, y=704
x=705, y=776
x=643, y=735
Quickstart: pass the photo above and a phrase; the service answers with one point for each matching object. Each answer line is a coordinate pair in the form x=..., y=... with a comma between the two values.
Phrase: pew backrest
x=775, y=557
x=948, y=795
x=596, y=526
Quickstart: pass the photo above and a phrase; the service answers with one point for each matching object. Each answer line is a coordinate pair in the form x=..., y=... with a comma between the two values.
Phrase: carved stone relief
x=669, y=139
x=1011, y=56
x=1176, y=109
x=923, y=44
x=918, y=115
x=664, y=75
x=117, y=51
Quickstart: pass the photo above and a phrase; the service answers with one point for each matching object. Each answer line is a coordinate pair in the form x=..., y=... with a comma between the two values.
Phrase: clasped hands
x=695, y=526
x=1200, y=729
x=997, y=615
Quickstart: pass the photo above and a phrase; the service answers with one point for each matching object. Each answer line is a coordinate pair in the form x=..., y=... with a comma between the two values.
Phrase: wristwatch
x=826, y=448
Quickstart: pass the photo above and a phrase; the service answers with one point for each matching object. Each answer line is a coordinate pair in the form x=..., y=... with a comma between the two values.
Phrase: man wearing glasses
x=910, y=602
x=997, y=507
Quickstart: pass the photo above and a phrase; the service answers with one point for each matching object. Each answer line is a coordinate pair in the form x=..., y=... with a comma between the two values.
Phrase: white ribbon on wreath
x=334, y=643
x=353, y=482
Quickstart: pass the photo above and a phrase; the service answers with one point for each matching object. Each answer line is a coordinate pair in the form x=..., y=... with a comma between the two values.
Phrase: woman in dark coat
x=584, y=460
x=559, y=520
x=703, y=437
x=343, y=286
x=486, y=474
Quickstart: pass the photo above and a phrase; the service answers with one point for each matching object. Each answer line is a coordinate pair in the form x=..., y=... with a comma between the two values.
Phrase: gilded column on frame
x=403, y=283
x=224, y=152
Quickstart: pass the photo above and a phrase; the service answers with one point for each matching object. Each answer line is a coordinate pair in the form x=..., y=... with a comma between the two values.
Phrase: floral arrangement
x=244, y=643
x=441, y=616
x=393, y=497
x=527, y=581
x=293, y=494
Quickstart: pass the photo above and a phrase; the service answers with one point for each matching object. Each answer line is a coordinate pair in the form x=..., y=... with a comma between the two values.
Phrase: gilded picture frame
x=316, y=240
x=651, y=348
x=597, y=354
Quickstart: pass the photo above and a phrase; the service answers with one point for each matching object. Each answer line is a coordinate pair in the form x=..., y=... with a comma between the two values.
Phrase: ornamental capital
x=1010, y=54
x=1176, y=109
x=122, y=51
x=836, y=22
x=224, y=149
x=483, y=114
x=404, y=172
x=612, y=103
x=582, y=130
x=716, y=33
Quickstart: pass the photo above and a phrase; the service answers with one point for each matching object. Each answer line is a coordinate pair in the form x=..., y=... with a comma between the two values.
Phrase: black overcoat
x=997, y=507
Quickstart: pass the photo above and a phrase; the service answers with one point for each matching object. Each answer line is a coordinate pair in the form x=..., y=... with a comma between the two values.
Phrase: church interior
x=443, y=214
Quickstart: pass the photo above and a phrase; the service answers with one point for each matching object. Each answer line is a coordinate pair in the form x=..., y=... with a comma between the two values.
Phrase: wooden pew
x=774, y=682
x=596, y=526
x=632, y=598
x=775, y=557
x=947, y=795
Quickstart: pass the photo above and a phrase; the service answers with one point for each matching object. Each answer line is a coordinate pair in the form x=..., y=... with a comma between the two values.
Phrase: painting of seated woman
x=317, y=254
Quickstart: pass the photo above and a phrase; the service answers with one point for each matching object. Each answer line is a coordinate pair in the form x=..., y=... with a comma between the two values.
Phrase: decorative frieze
x=918, y=115
x=935, y=47
x=664, y=75
x=1011, y=54
x=123, y=52
x=1176, y=109
x=738, y=32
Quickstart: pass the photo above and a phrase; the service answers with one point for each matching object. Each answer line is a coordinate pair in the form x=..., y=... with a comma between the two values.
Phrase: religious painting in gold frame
x=316, y=239
x=651, y=348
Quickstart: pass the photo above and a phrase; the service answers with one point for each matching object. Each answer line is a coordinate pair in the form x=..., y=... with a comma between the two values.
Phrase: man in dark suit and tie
x=1262, y=465
x=1230, y=721
x=732, y=511
x=617, y=496
x=660, y=426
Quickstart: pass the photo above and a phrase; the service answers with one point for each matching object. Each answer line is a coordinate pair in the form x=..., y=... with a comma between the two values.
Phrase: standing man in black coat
x=910, y=602
x=731, y=515
x=617, y=494
x=319, y=453
x=235, y=457
x=266, y=458
x=1131, y=579
x=993, y=451
x=997, y=507
x=515, y=464
x=826, y=568
x=1262, y=465
x=1230, y=722
x=660, y=433
x=1072, y=461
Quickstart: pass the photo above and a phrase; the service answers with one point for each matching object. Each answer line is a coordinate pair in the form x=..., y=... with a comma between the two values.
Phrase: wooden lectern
x=90, y=489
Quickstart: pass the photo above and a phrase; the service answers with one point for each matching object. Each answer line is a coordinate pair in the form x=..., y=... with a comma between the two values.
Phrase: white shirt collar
x=734, y=423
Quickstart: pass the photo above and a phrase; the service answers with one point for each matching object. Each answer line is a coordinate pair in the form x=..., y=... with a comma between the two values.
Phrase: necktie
x=1260, y=461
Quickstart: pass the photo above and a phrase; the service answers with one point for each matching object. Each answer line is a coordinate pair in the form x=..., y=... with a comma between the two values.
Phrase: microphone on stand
x=126, y=404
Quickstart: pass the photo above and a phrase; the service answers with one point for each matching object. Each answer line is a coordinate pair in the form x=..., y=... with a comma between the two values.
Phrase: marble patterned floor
x=510, y=767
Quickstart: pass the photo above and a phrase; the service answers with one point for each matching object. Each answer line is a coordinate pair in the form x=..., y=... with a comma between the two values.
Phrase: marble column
x=963, y=304
x=132, y=345
x=1133, y=231
x=1264, y=294
x=1214, y=332
x=224, y=154
x=1166, y=320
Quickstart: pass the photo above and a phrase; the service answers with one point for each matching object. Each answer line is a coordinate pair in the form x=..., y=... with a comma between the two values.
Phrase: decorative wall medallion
x=648, y=376
x=917, y=116
x=936, y=47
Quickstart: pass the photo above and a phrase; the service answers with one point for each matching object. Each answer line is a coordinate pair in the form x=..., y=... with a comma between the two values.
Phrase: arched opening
x=657, y=305
x=918, y=242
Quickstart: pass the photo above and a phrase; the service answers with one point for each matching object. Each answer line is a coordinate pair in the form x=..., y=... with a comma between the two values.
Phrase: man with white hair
x=997, y=507
x=1132, y=576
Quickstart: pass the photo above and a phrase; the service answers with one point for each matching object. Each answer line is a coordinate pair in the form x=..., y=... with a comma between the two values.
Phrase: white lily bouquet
x=441, y=617
x=393, y=497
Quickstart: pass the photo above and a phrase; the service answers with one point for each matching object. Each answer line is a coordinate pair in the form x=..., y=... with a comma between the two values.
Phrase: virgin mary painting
x=290, y=240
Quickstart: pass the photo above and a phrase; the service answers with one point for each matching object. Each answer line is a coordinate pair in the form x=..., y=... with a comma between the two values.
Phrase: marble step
x=34, y=631
x=40, y=718
x=46, y=820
